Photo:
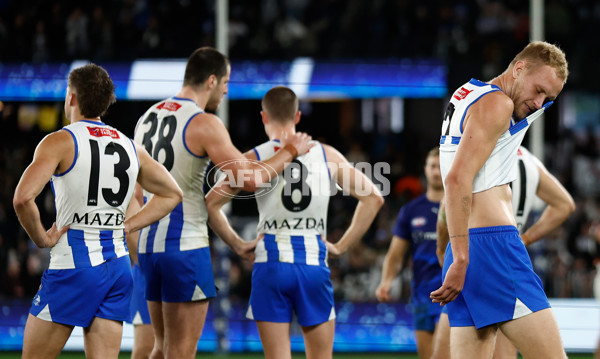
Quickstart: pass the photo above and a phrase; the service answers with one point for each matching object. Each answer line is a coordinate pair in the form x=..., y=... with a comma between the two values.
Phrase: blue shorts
x=281, y=289
x=76, y=296
x=138, y=308
x=500, y=283
x=177, y=277
x=426, y=315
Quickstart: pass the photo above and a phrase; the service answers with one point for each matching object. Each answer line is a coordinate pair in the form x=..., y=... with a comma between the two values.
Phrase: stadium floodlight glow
x=311, y=79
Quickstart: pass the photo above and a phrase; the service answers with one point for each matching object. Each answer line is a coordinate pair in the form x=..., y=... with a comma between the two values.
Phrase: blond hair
x=542, y=53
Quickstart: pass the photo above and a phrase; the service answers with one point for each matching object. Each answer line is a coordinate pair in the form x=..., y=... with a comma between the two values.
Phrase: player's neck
x=434, y=195
x=503, y=82
x=276, y=132
x=188, y=92
x=76, y=116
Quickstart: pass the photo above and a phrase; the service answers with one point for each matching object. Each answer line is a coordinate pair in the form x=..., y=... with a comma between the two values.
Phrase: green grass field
x=79, y=355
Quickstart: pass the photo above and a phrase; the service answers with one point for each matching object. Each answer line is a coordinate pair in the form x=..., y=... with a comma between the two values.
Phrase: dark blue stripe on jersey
x=496, y=88
x=150, y=237
x=322, y=250
x=183, y=99
x=183, y=136
x=455, y=140
x=299, y=249
x=518, y=126
x=271, y=248
x=173, y=242
x=325, y=158
x=256, y=153
x=107, y=244
x=74, y=157
x=481, y=84
x=81, y=255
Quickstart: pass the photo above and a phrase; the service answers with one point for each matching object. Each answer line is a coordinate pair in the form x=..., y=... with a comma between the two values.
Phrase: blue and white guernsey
x=161, y=130
x=93, y=195
x=524, y=188
x=500, y=168
x=293, y=211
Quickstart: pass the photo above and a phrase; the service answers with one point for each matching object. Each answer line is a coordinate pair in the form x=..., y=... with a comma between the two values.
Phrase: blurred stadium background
x=373, y=76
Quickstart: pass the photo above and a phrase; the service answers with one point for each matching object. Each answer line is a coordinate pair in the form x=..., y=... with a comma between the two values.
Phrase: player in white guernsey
x=290, y=273
x=93, y=169
x=173, y=252
x=533, y=180
x=488, y=279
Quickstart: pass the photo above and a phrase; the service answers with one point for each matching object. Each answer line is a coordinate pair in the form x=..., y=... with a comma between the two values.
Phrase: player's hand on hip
x=54, y=234
x=452, y=286
x=382, y=292
x=332, y=248
x=299, y=140
x=246, y=251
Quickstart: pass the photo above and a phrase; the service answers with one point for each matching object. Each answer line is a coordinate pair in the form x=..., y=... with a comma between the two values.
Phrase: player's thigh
x=143, y=341
x=183, y=322
x=535, y=335
x=441, y=338
x=102, y=338
x=275, y=338
x=504, y=348
x=44, y=339
x=468, y=342
x=424, y=343
x=318, y=340
x=156, y=319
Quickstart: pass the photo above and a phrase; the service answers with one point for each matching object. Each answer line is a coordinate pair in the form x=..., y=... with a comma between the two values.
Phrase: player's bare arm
x=559, y=202
x=360, y=187
x=154, y=178
x=132, y=238
x=392, y=265
x=206, y=135
x=216, y=198
x=442, y=233
x=485, y=122
x=54, y=154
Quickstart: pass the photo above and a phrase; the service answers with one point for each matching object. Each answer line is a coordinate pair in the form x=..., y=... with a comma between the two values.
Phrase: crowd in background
x=473, y=37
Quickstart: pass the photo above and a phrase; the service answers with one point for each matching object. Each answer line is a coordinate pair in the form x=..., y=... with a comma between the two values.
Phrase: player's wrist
x=291, y=149
x=526, y=239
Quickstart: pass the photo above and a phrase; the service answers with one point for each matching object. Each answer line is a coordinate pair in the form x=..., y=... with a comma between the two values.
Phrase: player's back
x=93, y=195
x=293, y=212
x=161, y=130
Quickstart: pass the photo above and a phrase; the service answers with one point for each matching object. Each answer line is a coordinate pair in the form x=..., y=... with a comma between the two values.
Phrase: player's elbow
x=453, y=182
x=250, y=185
x=378, y=201
x=568, y=206
x=175, y=197
x=20, y=201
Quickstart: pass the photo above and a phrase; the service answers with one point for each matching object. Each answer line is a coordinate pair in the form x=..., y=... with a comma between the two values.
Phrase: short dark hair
x=94, y=89
x=280, y=103
x=202, y=63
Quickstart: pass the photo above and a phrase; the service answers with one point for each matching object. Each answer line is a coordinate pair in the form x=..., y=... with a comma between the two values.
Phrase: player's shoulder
x=419, y=201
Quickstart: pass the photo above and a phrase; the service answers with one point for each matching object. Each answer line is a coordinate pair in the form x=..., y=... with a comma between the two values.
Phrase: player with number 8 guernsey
x=93, y=169
x=290, y=274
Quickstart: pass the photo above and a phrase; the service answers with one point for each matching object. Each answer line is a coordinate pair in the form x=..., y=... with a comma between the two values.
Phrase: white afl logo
x=418, y=221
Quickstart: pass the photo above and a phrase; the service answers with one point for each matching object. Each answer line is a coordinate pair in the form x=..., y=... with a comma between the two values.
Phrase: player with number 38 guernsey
x=173, y=253
x=93, y=169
